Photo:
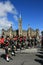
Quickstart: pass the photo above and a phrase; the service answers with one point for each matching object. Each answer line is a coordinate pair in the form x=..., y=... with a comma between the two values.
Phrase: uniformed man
x=12, y=46
x=6, y=48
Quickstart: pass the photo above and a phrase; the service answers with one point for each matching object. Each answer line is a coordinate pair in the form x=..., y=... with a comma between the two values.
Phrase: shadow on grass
x=39, y=60
x=39, y=57
x=40, y=52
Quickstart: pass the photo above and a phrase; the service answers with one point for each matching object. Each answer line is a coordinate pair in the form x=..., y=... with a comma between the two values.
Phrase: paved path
x=30, y=50
x=24, y=59
x=21, y=59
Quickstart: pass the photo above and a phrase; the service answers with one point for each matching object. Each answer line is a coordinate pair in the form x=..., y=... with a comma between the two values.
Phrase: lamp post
x=42, y=40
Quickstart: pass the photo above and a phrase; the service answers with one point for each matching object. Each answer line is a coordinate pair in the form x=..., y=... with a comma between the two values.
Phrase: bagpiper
x=12, y=46
x=6, y=48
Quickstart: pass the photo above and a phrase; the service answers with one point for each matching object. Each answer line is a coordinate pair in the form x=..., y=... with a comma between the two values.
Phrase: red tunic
x=2, y=40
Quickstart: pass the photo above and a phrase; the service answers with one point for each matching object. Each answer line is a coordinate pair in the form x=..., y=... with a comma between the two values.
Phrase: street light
x=42, y=40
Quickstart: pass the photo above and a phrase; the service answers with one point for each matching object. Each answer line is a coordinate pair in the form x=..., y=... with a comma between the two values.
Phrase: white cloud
x=16, y=18
x=5, y=23
x=4, y=9
x=7, y=7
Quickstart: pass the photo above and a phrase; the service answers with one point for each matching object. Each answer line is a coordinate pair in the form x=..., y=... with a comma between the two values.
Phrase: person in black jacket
x=12, y=46
x=6, y=48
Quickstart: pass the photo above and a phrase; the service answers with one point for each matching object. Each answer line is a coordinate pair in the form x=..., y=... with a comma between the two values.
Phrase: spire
x=20, y=25
x=28, y=26
x=20, y=16
x=11, y=26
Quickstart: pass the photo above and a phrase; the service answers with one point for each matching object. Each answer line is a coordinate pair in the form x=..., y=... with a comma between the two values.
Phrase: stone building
x=20, y=32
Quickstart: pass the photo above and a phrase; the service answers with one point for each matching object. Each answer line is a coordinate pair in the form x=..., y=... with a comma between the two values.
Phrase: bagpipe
x=6, y=43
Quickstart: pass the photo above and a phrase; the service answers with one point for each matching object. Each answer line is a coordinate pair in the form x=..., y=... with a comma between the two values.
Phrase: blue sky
x=31, y=12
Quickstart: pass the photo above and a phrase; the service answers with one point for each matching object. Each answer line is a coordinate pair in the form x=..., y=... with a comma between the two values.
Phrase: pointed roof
x=20, y=16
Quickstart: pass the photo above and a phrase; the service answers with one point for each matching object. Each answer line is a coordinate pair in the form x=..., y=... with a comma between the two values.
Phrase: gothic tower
x=20, y=25
x=10, y=31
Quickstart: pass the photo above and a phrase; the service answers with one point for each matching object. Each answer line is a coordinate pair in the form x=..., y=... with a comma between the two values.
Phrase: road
x=23, y=59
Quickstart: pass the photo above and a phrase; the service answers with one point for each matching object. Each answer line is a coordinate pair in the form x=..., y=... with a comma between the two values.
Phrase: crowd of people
x=7, y=43
x=12, y=44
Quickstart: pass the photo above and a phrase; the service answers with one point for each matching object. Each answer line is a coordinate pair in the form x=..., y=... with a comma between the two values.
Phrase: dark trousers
x=13, y=49
x=6, y=50
x=2, y=45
